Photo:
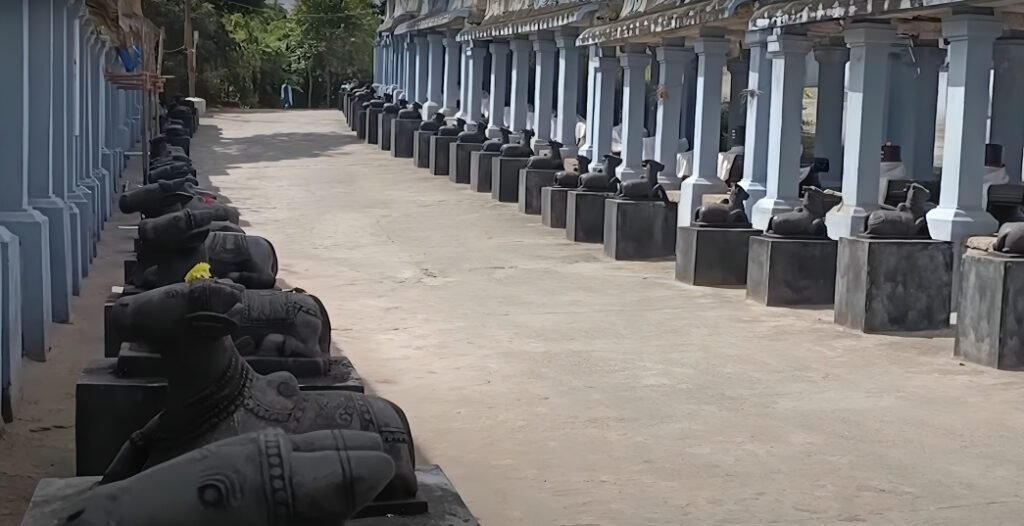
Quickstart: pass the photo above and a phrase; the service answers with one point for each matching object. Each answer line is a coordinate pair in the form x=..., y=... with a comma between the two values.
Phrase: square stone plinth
x=480, y=170
x=712, y=257
x=459, y=156
x=505, y=178
x=990, y=320
x=440, y=151
x=373, y=125
x=893, y=285
x=384, y=132
x=584, y=216
x=530, y=184
x=782, y=271
x=638, y=230
x=110, y=407
x=361, y=124
x=552, y=206
x=403, y=138
x=421, y=148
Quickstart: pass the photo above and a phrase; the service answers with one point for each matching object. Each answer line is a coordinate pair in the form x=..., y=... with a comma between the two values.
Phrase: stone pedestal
x=421, y=148
x=530, y=184
x=584, y=216
x=360, y=115
x=440, y=151
x=552, y=206
x=109, y=407
x=639, y=230
x=783, y=271
x=991, y=314
x=403, y=138
x=712, y=257
x=373, y=125
x=505, y=178
x=384, y=133
x=480, y=170
x=459, y=157
x=893, y=285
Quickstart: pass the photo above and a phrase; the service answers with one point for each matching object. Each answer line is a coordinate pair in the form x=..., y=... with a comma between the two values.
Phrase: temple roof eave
x=669, y=23
x=455, y=19
x=572, y=15
x=801, y=12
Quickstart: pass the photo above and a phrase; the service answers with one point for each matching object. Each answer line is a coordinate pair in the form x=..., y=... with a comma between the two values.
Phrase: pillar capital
x=738, y=65
x=499, y=48
x=756, y=39
x=779, y=45
x=519, y=45
x=543, y=43
x=832, y=54
x=435, y=38
x=420, y=38
x=449, y=38
x=711, y=45
x=566, y=37
x=866, y=34
x=962, y=27
x=673, y=54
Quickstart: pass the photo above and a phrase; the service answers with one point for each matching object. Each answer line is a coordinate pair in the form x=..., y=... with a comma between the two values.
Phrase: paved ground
x=559, y=388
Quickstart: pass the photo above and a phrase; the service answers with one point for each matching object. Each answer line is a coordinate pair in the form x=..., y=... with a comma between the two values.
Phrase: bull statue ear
x=197, y=237
x=209, y=325
x=176, y=199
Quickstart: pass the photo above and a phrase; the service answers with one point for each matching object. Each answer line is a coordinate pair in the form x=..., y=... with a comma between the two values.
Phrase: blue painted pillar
x=711, y=53
x=520, y=83
x=605, y=78
x=64, y=144
x=73, y=197
x=435, y=75
x=587, y=150
x=378, y=61
x=30, y=226
x=422, y=57
x=475, y=54
x=866, y=92
x=929, y=61
x=103, y=165
x=10, y=324
x=1007, y=128
x=403, y=87
x=86, y=183
x=789, y=71
x=960, y=213
x=463, y=77
x=410, y=68
x=96, y=132
x=672, y=59
x=385, y=62
x=739, y=69
x=543, y=96
x=452, y=57
x=690, y=109
x=828, y=135
x=634, y=61
x=759, y=97
x=46, y=150
x=499, y=85
x=568, y=89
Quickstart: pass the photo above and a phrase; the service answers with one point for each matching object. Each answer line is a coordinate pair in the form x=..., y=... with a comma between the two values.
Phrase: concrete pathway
x=557, y=387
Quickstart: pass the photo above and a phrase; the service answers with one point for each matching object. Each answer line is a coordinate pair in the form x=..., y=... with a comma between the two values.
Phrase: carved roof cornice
x=399, y=11
x=437, y=15
x=507, y=18
x=777, y=14
x=654, y=20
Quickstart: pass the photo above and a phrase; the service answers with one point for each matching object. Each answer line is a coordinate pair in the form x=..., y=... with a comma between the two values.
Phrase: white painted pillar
x=711, y=54
x=475, y=54
x=410, y=69
x=739, y=68
x=463, y=78
x=378, y=61
x=828, y=135
x=422, y=58
x=634, y=60
x=960, y=213
x=544, y=79
x=929, y=61
x=568, y=89
x=672, y=60
x=870, y=45
x=1007, y=126
x=400, y=66
x=755, y=145
x=606, y=76
x=452, y=58
x=587, y=150
x=499, y=85
x=520, y=83
x=435, y=75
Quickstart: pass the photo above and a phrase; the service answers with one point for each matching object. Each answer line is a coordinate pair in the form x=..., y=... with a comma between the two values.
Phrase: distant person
x=286, y=96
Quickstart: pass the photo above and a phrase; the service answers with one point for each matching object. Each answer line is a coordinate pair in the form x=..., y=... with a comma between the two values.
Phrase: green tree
x=333, y=43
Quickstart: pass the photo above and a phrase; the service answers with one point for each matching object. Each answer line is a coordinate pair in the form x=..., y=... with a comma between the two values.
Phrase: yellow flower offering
x=200, y=271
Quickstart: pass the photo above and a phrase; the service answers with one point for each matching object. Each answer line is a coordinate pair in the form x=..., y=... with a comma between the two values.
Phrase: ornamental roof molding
x=655, y=20
x=438, y=15
x=508, y=18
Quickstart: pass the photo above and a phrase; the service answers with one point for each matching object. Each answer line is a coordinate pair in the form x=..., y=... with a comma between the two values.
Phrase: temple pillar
x=435, y=75
x=689, y=115
x=568, y=89
x=634, y=61
x=828, y=134
x=520, y=83
x=587, y=150
x=400, y=67
x=499, y=85
x=543, y=96
x=30, y=226
x=422, y=68
x=476, y=51
x=452, y=58
x=960, y=213
x=870, y=45
x=463, y=77
x=711, y=54
x=1007, y=128
x=929, y=61
x=378, y=58
x=739, y=68
x=74, y=198
x=410, y=70
x=672, y=60
x=755, y=145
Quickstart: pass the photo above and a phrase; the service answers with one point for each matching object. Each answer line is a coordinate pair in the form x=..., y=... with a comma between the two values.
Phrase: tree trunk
x=330, y=89
x=309, y=95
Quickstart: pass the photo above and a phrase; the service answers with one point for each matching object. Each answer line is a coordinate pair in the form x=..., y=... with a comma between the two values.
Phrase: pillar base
x=106, y=196
x=765, y=209
x=80, y=227
x=440, y=149
x=713, y=257
x=691, y=196
x=639, y=230
x=10, y=319
x=755, y=192
x=530, y=184
x=449, y=112
x=991, y=313
x=33, y=231
x=430, y=109
x=846, y=221
x=480, y=171
x=553, y=200
x=584, y=216
x=57, y=215
x=786, y=271
x=954, y=224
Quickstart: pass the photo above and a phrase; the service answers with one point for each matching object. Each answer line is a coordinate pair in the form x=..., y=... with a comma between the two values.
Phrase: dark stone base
x=530, y=184
x=440, y=152
x=361, y=124
x=53, y=498
x=893, y=285
x=990, y=320
x=638, y=230
x=109, y=407
x=505, y=178
x=791, y=271
x=584, y=216
x=384, y=133
x=459, y=155
x=402, y=138
x=421, y=148
x=713, y=257
x=373, y=125
x=552, y=206
x=480, y=170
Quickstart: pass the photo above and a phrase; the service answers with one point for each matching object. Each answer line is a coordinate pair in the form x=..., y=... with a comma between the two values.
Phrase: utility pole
x=190, y=49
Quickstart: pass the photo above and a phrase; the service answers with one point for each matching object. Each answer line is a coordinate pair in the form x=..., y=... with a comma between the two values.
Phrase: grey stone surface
x=459, y=156
x=360, y=124
x=552, y=206
x=787, y=271
x=440, y=150
x=386, y=124
x=505, y=178
x=530, y=183
x=421, y=148
x=990, y=320
x=635, y=230
x=712, y=257
x=893, y=285
x=403, y=138
x=373, y=125
x=584, y=216
x=480, y=171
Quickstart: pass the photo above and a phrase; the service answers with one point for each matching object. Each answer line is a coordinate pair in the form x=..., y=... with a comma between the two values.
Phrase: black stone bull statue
x=165, y=197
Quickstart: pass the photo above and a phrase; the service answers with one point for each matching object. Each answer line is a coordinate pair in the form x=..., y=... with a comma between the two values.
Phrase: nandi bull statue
x=164, y=197
x=171, y=245
x=266, y=478
x=412, y=112
x=552, y=161
x=601, y=178
x=804, y=221
x=571, y=178
x=520, y=150
x=494, y=145
x=906, y=221
x=433, y=125
x=646, y=188
x=453, y=130
x=728, y=213
x=213, y=394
